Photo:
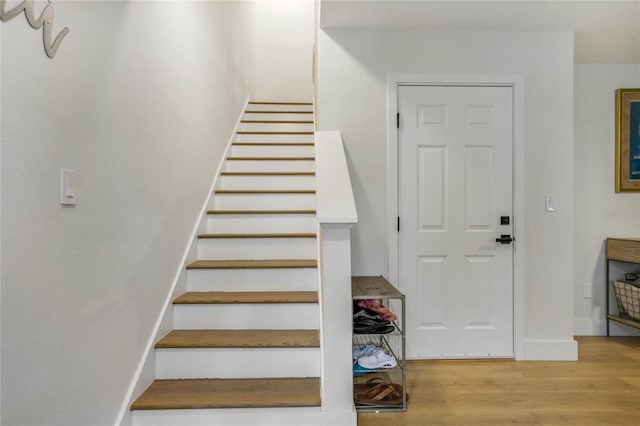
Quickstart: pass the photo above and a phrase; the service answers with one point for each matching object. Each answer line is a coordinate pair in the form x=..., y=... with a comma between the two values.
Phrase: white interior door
x=455, y=146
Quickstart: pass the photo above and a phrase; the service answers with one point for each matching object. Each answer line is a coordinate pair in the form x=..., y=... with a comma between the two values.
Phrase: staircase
x=245, y=348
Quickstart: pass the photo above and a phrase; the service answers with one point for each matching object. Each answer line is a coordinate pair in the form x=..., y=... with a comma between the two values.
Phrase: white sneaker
x=377, y=358
x=362, y=350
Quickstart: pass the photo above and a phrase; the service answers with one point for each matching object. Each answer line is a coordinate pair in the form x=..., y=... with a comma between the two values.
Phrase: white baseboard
x=589, y=327
x=551, y=350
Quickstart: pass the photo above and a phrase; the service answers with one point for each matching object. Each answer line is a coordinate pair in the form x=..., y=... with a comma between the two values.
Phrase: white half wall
x=599, y=211
x=140, y=100
x=352, y=96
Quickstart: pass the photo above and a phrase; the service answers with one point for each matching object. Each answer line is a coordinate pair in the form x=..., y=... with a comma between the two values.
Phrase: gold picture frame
x=628, y=140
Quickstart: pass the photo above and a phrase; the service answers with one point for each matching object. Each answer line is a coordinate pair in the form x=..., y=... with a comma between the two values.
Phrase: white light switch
x=67, y=187
x=549, y=203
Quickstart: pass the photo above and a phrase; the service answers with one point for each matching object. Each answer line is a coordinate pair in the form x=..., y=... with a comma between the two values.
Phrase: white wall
x=599, y=211
x=353, y=66
x=0, y=230
x=140, y=101
x=274, y=48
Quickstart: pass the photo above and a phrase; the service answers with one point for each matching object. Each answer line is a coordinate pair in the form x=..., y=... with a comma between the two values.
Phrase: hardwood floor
x=602, y=388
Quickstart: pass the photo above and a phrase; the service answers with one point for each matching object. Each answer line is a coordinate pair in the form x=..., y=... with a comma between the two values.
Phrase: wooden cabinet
x=621, y=250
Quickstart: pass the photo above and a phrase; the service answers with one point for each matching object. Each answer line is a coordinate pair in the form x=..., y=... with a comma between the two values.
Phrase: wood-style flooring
x=602, y=388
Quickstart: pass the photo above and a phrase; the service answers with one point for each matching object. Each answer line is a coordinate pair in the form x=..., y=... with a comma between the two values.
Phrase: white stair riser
x=246, y=316
x=253, y=223
x=279, y=107
x=270, y=138
x=269, y=279
x=284, y=416
x=294, y=116
x=268, y=182
x=270, y=166
x=257, y=248
x=277, y=127
x=263, y=202
x=272, y=151
x=236, y=363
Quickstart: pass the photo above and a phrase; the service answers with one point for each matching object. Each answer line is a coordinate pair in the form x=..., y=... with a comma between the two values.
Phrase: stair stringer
x=146, y=371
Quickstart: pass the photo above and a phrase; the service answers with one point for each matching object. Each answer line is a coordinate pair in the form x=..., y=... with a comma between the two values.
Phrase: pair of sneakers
x=372, y=357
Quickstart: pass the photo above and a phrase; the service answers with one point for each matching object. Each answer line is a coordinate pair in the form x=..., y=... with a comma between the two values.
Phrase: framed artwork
x=627, y=140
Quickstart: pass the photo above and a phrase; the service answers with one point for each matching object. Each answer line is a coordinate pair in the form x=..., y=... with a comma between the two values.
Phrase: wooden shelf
x=625, y=319
x=373, y=288
x=623, y=249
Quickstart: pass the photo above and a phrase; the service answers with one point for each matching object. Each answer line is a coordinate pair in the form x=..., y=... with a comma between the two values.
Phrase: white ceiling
x=606, y=31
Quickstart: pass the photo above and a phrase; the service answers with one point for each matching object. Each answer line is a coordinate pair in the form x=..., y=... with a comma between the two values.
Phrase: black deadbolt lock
x=504, y=220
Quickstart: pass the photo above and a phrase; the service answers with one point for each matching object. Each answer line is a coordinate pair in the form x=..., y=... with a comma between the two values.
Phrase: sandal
x=369, y=385
x=373, y=383
x=371, y=326
x=381, y=394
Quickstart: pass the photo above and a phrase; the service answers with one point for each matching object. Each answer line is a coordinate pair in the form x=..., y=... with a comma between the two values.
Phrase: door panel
x=432, y=188
x=455, y=181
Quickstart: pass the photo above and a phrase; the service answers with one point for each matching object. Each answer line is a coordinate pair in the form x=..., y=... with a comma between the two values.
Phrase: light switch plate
x=68, y=187
x=550, y=203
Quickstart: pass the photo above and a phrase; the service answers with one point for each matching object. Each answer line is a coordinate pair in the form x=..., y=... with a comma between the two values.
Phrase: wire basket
x=628, y=298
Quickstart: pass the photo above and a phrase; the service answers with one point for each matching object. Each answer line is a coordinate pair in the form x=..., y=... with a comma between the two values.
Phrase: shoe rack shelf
x=380, y=289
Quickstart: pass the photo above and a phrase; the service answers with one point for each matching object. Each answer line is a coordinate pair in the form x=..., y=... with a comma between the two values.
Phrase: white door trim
x=515, y=81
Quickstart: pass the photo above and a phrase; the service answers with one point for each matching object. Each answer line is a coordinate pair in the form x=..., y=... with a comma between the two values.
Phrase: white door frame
x=517, y=83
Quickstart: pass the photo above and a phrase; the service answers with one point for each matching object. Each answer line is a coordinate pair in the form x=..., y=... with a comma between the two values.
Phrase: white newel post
x=336, y=213
x=335, y=279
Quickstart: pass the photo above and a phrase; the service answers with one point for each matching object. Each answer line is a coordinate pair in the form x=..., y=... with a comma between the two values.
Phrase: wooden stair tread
x=230, y=393
x=240, y=339
x=248, y=132
x=277, y=121
x=261, y=212
x=274, y=235
x=273, y=144
x=231, y=297
x=267, y=173
x=279, y=103
x=277, y=112
x=254, y=264
x=265, y=191
x=270, y=158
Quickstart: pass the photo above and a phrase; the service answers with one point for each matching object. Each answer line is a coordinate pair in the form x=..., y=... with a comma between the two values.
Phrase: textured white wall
x=140, y=100
x=274, y=48
x=353, y=67
x=599, y=211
